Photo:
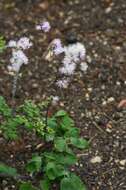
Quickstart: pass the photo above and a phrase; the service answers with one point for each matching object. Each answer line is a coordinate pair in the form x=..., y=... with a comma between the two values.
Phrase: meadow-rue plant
x=56, y=130
x=18, y=58
x=23, y=43
x=74, y=54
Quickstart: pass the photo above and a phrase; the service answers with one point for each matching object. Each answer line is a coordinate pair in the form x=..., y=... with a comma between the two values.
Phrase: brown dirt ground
x=101, y=26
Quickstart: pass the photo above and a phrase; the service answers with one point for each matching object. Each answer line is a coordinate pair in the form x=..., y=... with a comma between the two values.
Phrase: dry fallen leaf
x=122, y=103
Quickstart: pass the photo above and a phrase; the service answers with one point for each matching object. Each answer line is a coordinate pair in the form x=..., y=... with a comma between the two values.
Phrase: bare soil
x=91, y=99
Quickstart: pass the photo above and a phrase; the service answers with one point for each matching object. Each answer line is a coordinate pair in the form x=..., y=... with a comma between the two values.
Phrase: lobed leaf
x=45, y=184
x=27, y=186
x=72, y=183
x=8, y=170
x=34, y=164
x=79, y=143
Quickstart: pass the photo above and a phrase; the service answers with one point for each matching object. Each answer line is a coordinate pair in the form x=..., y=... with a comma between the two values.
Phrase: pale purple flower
x=15, y=67
x=57, y=46
x=45, y=26
x=24, y=43
x=62, y=83
x=82, y=54
x=12, y=44
x=67, y=60
x=17, y=60
x=76, y=52
x=68, y=69
x=19, y=56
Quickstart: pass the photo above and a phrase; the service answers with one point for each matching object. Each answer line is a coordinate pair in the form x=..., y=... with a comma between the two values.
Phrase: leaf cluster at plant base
x=58, y=132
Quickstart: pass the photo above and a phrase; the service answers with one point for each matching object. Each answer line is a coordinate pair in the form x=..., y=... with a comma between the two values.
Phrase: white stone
x=108, y=130
x=96, y=159
x=104, y=103
x=122, y=162
x=108, y=10
x=111, y=99
x=118, y=83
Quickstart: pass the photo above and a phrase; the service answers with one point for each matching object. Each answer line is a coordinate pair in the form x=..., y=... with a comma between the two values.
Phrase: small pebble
x=108, y=130
x=111, y=99
x=122, y=162
x=89, y=60
x=90, y=89
x=96, y=159
x=108, y=10
x=87, y=96
x=104, y=103
x=118, y=83
x=81, y=165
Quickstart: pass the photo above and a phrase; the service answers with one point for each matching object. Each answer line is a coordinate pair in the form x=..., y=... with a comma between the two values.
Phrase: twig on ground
x=99, y=128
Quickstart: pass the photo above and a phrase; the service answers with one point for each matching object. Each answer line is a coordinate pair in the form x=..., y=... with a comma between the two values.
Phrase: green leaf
x=9, y=127
x=52, y=123
x=61, y=113
x=54, y=170
x=80, y=143
x=60, y=158
x=72, y=132
x=2, y=44
x=4, y=108
x=66, y=159
x=30, y=109
x=72, y=183
x=45, y=184
x=50, y=156
x=60, y=144
x=66, y=123
x=27, y=186
x=8, y=170
x=34, y=164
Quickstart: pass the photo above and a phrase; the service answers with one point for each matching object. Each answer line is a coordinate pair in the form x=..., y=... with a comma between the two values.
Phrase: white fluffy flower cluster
x=57, y=46
x=68, y=68
x=23, y=43
x=74, y=53
x=17, y=60
x=18, y=56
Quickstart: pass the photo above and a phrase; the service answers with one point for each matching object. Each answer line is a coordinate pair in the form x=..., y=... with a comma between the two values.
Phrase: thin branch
x=46, y=121
x=99, y=128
